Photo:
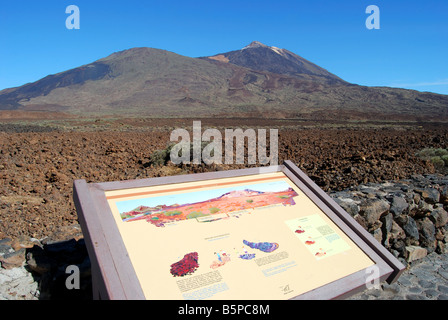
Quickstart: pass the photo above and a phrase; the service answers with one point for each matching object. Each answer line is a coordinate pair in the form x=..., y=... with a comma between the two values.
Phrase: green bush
x=161, y=157
x=445, y=159
x=438, y=156
x=438, y=162
x=432, y=152
x=425, y=153
x=440, y=152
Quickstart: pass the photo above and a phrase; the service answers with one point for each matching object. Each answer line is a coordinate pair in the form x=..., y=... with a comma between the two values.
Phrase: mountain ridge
x=255, y=81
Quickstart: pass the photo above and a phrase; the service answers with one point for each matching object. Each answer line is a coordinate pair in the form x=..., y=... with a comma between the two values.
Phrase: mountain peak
x=256, y=44
x=260, y=57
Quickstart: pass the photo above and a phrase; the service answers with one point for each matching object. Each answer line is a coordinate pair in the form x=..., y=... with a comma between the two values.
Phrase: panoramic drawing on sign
x=207, y=206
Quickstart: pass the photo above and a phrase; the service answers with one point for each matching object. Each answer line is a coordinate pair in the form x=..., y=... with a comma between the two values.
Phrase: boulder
x=386, y=227
x=427, y=233
x=13, y=260
x=348, y=205
x=5, y=249
x=430, y=195
x=440, y=234
x=24, y=242
x=387, y=222
x=397, y=232
x=415, y=253
x=399, y=205
x=423, y=209
x=441, y=247
x=409, y=226
x=439, y=217
x=362, y=222
x=444, y=195
x=378, y=234
x=38, y=261
x=400, y=246
x=6, y=241
x=373, y=209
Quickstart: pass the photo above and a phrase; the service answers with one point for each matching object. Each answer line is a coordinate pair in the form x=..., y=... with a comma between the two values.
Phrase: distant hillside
x=256, y=81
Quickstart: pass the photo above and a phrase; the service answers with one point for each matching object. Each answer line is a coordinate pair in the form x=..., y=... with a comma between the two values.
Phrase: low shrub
x=438, y=156
x=445, y=159
x=161, y=157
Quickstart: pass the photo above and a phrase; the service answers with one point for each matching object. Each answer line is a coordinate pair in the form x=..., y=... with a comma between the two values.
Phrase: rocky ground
x=424, y=279
x=38, y=222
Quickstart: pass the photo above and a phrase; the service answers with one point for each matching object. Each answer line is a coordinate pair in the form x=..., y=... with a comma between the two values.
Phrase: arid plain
x=39, y=160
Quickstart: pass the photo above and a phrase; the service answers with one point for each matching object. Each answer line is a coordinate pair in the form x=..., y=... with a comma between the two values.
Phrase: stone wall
x=408, y=217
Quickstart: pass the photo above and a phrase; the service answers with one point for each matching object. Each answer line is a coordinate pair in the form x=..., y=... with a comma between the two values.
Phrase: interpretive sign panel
x=246, y=234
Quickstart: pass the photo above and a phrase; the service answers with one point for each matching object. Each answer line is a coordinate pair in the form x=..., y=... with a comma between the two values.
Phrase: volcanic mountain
x=257, y=56
x=256, y=81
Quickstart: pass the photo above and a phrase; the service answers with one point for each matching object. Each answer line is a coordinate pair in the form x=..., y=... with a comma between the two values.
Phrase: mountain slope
x=268, y=82
x=134, y=78
x=258, y=56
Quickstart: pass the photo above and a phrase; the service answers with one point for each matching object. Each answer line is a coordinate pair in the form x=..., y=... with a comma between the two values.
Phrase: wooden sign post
x=259, y=233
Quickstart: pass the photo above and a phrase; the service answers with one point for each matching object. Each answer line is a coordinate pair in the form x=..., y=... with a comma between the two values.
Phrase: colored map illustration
x=166, y=209
x=262, y=246
x=223, y=257
x=189, y=263
x=186, y=266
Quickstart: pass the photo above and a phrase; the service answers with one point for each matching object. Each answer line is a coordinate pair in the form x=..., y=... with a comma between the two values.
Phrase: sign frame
x=114, y=277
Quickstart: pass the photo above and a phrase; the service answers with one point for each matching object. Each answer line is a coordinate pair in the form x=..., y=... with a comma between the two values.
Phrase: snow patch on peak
x=277, y=50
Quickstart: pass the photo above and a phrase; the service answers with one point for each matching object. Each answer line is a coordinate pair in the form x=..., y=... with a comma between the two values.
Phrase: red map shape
x=186, y=266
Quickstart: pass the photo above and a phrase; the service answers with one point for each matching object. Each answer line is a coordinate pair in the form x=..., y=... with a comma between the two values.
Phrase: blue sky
x=410, y=49
x=198, y=196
